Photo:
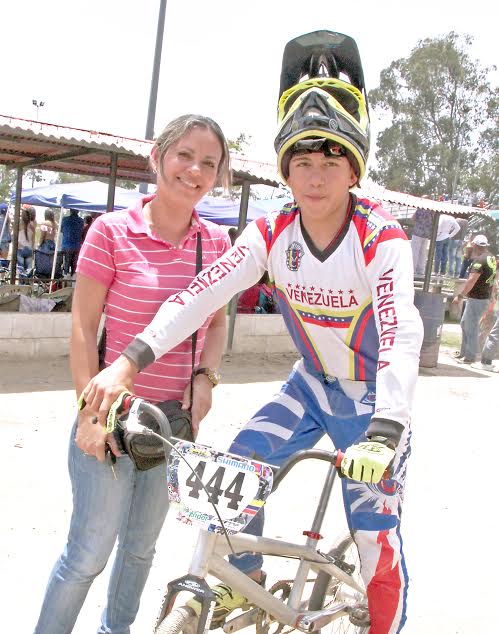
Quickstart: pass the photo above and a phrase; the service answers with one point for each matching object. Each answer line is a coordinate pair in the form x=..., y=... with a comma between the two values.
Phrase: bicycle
x=337, y=596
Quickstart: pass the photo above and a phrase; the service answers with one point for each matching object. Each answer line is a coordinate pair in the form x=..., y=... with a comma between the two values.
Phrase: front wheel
x=176, y=622
x=327, y=589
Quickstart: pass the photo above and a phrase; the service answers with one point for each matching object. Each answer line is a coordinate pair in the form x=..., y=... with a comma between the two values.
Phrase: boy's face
x=320, y=183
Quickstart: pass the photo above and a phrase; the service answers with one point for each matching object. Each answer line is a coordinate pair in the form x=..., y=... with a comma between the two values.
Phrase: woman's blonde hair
x=177, y=128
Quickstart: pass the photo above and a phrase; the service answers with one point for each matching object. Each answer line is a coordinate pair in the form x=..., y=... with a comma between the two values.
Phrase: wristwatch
x=212, y=375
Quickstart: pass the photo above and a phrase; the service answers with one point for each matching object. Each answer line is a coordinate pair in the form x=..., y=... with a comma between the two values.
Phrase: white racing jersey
x=349, y=308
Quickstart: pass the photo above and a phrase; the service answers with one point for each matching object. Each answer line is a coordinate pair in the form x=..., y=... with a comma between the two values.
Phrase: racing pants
x=308, y=406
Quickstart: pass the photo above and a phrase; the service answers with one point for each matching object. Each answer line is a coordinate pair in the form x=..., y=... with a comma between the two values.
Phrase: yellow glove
x=367, y=461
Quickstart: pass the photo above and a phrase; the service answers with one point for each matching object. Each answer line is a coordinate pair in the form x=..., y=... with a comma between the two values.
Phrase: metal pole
x=112, y=182
x=243, y=215
x=15, y=228
x=431, y=252
x=151, y=113
x=57, y=247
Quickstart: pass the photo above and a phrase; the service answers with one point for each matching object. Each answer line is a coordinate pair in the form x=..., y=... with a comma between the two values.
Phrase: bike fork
x=194, y=582
x=313, y=536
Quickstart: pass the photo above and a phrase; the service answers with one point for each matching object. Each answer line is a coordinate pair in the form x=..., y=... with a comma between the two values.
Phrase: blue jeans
x=441, y=253
x=132, y=509
x=455, y=257
x=25, y=258
x=470, y=326
x=491, y=347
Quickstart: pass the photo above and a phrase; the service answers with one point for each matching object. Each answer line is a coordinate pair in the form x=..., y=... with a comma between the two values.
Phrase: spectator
x=478, y=290
x=455, y=248
x=26, y=238
x=466, y=259
x=86, y=226
x=490, y=350
x=448, y=227
x=48, y=231
x=232, y=234
x=5, y=237
x=421, y=235
x=72, y=231
x=257, y=299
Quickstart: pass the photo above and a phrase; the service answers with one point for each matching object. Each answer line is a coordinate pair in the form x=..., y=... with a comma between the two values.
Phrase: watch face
x=212, y=375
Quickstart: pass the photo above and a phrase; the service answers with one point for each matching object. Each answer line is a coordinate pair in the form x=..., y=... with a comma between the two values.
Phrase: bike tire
x=347, y=549
x=175, y=622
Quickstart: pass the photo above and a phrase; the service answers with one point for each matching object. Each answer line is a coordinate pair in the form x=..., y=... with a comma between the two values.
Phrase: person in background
x=86, y=226
x=448, y=227
x=490, y=350
x=421, y=235
x=232, y=234
x=466, y=258
x=130, y=262
x=48, y=231
x=257, y=298
x=455, y=248
x=26, y=238
x=72, y=231
x=477, y=291
x=5, y=237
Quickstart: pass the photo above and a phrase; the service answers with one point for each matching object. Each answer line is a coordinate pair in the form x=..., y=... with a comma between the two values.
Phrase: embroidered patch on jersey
x=294, y=254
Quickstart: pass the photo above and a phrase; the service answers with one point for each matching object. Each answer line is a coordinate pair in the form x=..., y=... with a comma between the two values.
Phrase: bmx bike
x=220, y=493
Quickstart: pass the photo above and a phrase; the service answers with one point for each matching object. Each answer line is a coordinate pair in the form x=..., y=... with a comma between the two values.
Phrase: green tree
x=441, y=108
x=7, y=183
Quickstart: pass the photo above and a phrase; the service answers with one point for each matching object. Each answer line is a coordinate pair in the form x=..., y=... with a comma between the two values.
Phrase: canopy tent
x=88, y=196
x=92, y=197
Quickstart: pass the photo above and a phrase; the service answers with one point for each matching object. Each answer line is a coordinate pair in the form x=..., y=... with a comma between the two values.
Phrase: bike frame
x=211, y=548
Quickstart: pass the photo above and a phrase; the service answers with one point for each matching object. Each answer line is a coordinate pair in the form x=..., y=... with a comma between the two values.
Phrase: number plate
x=238, y=486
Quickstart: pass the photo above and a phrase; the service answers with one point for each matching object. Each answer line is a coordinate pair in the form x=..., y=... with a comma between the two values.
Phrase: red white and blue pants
x=308, y=406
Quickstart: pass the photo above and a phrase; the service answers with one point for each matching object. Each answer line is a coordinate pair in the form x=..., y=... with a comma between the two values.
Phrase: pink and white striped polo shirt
x=140, y=272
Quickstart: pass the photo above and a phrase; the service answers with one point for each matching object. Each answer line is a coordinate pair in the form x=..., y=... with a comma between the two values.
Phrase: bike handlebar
x=333, y=457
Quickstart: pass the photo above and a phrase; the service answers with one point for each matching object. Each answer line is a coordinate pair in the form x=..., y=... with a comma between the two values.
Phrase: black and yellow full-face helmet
x=324, y=107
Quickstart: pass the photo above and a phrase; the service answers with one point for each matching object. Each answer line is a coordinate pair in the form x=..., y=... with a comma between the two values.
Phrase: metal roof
x=27, y=143
x=372, y=190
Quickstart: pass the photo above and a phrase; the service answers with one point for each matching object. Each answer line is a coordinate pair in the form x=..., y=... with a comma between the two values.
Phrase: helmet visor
x=349, y=98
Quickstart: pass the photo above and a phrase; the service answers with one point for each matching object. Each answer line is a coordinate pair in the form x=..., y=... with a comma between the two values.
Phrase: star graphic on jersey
x=290, y=284
x=312, y=288
x=351, y=291
x=321, y=290
x=297, y=286
x=340, y=292
x=331, y=291
x=303, y=288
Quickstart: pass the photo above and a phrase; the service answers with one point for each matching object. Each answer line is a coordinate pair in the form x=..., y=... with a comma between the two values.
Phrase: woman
x=26, y=238
x=129, y=264
x=88, y=221
x=48, y=232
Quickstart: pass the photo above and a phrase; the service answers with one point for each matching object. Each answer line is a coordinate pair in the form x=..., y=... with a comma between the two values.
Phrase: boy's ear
x=353, y=177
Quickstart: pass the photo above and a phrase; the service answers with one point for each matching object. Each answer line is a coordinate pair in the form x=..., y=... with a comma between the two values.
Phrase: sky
x=90, y=61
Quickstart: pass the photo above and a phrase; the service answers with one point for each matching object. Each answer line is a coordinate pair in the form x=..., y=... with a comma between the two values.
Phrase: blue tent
x=89, y=196
x=92, y=197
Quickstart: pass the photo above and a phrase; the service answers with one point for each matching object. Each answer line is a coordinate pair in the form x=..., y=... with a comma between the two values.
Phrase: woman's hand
x=202, y=397
x=104, y=388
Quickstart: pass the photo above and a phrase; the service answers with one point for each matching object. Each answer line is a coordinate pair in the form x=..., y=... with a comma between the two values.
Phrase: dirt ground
x=451, y=567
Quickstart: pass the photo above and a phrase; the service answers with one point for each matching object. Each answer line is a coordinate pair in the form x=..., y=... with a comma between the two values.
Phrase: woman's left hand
x=202, y=398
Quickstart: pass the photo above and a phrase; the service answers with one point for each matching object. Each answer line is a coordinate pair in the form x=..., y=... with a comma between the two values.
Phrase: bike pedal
x=359, y=616
x=339, y=563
